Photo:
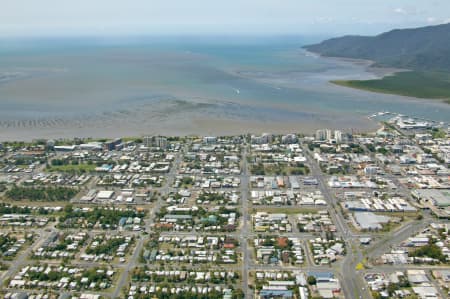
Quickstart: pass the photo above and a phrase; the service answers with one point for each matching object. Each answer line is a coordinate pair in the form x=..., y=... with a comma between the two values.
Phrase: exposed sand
x=272, y=102
x=178, y=125
x=369, y=66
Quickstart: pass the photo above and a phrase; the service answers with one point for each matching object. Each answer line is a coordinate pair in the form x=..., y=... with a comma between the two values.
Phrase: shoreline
x=199, y=127
x=281, y=100
x=400, y=92
x=135, y=136
x=185, y=124
x=380, y=73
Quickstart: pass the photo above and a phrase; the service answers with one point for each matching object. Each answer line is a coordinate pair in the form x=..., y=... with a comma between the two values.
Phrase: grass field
x=72, y=168
x=428, y=85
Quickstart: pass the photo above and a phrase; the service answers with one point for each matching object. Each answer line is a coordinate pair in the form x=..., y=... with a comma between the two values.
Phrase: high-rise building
x=263, y=139
x=160, y=142
x=155, y=141
x=148, y=141
x=111, y=145
x=289, y=139
x=209, y=139
x=323, y=135
x=338, y=136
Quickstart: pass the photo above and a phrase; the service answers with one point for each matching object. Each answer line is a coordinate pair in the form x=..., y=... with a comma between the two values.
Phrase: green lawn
x=430, y=85
x=72, y=168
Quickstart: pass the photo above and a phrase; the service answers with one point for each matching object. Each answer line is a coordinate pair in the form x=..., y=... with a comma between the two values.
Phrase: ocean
x=111, y=87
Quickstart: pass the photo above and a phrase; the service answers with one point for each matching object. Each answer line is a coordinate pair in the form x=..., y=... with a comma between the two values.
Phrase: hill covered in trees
x=424, y=49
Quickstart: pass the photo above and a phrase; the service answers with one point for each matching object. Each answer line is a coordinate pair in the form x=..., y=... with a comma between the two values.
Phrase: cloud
x=409, y=11
x=324, y=20
x=400, y=11
x=431, y=20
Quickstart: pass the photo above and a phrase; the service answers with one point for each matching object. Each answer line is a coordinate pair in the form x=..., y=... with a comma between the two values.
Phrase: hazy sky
x=105, y=17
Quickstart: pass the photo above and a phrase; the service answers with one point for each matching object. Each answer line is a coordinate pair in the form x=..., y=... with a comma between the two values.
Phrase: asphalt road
x=244, y=232
x=351, y=280
x=353, y=285
x=133, y=261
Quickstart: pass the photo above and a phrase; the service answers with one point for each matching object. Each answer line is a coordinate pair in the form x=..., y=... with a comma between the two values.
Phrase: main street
x=244, y=232
x=353, y=285
x=351, y=280
x=150, y=219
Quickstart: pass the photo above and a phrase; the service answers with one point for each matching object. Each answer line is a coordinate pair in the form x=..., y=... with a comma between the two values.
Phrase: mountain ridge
x=423, y=48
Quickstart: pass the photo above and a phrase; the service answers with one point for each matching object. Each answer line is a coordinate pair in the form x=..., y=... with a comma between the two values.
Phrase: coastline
x=293, y=97
x=200, y=126
x=381, y=74
x=379, y=71
x=394, y=84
